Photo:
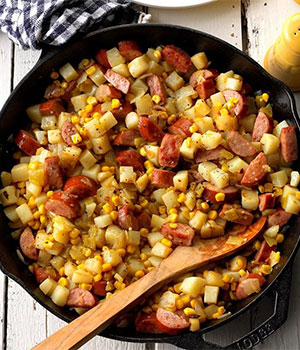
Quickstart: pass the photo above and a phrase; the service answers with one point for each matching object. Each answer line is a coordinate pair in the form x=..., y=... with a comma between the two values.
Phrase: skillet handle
x=281, y=293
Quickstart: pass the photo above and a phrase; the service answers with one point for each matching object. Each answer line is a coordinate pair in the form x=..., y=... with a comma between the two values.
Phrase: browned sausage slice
x=264, y=252
x=149, y=130
x=181, y=235
x=202, y=74
x=79, y=297
x=263, y=125
x=237, y=215
x=206, y=88
x=206, y=155
x=130, y=158
x=144, y=220
x=248, y=286
x=175, y=322
x=117, y=80
x=162, y=178
x=177, y=58
x=256, y=171
x=147, y=323
x=53, y=107
x=169, y=150
x=211, y=190
x=240, y=145
x=281, y=217
x=80, y=186
x=126, y=137
x=181, y=127
x=289, y=144
x=53, y=172
x=26, y=143
x=241, y=108
x=101, y=57
x=266, y=201
x=99, y=288
x=121, y=112
x=63, y=204
x=129, y=49
x=156, y=88
x=67, y=131
x=26, y=242
x=126, y=218
x=105, y=92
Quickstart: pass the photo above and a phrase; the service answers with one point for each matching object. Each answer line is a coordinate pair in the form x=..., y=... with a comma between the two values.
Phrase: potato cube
x=24, y=213
x=188, y=148
x=180, y=180
x=11, y=213
x=237, y=263
x=152, y=153
x=279, y=127
x=70, y=268
x=127, y=175
x=158, y=195
x=217, y=98
x=114, y=57
x=101, y=145
x=155, y=260
x=250, y=199
x=295, y=178
x=221, y=81
x=193, y=286
x=69, y=157
x=211, y=139
x=34, y=114
x=292, y=205
x=91, y=172
x=103, y=221
x=6, y=178
x=157, y=221
x=160, y=250
x=48, y=286
x=93, y=265
x=205, y=169
x=154, y=237
x=87, y=159
x=234, y=84
x=144, y=105
x=248, y=122
x=205, y=124
x=49, y=122
x=170, y=200
x=107, y=121
x=54, y=136
x=279, y=179
x=68, y=72
x=219, y=178
x=226, y=122
x=155, y=68
x=133, y=237
x=79, y=102
x=138, y=66
x=115, y=237
x=211, y=294
x=236, y=165
x=94, y=128
x=98, y=77
x=19, y=172
x=270, y=143
x=214, y=279
x=174, y=81
x=122, y=69
x=190, y=201
x=184, y=103
x=82, y=276
x=142, y=182
x=200, y=60
x=62, y=118
x=198, y=220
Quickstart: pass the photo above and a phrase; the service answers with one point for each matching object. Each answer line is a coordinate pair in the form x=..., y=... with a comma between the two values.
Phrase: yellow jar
x=282, y=60
x=298, y=1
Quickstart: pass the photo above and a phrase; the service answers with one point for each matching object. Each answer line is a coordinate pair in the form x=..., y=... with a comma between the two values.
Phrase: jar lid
x=291, y=32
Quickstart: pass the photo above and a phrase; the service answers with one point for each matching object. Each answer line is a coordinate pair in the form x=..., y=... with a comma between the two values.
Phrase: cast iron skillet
x=224, y=57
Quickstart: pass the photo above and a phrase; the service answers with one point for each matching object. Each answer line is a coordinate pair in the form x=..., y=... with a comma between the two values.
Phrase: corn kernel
x=171, y=309
x=115, y=199
x=165, y=75
x=147, y=263
x=121, y=252
x=50, y=238
x=240, y=263
x=173, y=211
x=212, y=215
x=107, y=208
x=143, y=152
x=36, y=225
x=98, y=257
x=143, y=256
x=177, y=288
x=268, y=187
x=113, y=215
x=91, y=100
x=261, y=188
x=162, y=209
x=257, y=245
x=115, y=103
x=171, y=119
x=62, y=271
x=80, y=266
x=148, y=164
x=131, y=248
x=157, y=54
x=191, y=215
x=139, y=273
x=181, y=198
x=119, y=285
x=48, y=244
x=226, y=278
x=75, y=119
x=76, y=138
x=266, y=269
x=220, y=197
x=96, y=115
x=298, y=195
x=86, y=286
x=83, y=132
x=166, y=242
x=98, y=277
x=50, y=193
x=224, y=112
x=43, y=219
x=91, y=70
x=144, y=232
x=36, y=215
x=193, y=128
x=189, y=311
x=144, y=203
x=221, y=310
x=242, y=272
x=186, y=299
x=173, y=218
x=106, y=267
x=179, y=304
x=85, y=62
x=173, y=225
x=138, y=207
x=21, y=184
x=280, y=238
x=31, y=202
x=265, y=97
x=42, y=209
x=156, y=99
x=278, y=192
x=88, y=252
x=75, y=241
x=33, y=165
x=54, y=75
x=188, y=142
x=215, y=315
x=277, y=257
x=63, y=282
x=204, y=206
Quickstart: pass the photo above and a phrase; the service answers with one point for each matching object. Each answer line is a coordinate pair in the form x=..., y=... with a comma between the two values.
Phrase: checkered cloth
x=29, y=23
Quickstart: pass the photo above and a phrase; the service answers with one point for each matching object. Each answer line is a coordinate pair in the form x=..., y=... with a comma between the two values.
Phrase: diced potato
x=170, y=199
x=248, y=122
x=279, y=179
x=57, y=262
x=115, y=237
x=171, y=106
x=155, y=68
x=157, y=221
x=237, y=263
x=236, y=165
x=250, y=199
x=288, y=171
x=234, y=275
x=211, y=229
x=219, y=178
x=152, y=153
x=127, y=174
x=133, y=237
x=217, y=98
x=174, y=81
x=158, y=195
x=93, y=265
x=79, y=102
x=122, y=69
x=193, y=286
x=154, y=237
x=211, y=294
x=62, y=118
x=144, y=104
x=214, y=279
x=210, y=311
x=295, y=178
x=168, y=299
x=270, y=143
x=92, y=172
x=184, y=103
x=19, y=172
x=180, y=180
x=287, y=190
x=211, y=139
x=205, y=169
x=184, y=92
x=54, y=136
x=138, y=89
x=101, y=145
x=6, y=178
x=221, y=81
x=188, y=148
x=198, y=220
x=70, y=268
x=111, y=256
x=87, y=159
x=49, y=122
x=82, y=276
x=279, y=127
x=107, y=121
x=226, y=122
x=272, y=231
x=114, y=57
x=292, y=205
x=138, y=66
x=155, y=260
x=24, y=213
x=274, y=159
x=135, y=265
x=68, y=72
x=201, y=108
x=11, y=213
x=200, y=60
x=98, y=77
x=34, y=114
x=48, y=286
x=190, y=201
x=234, y=84
x=103, y=221
x=94, y=128
x=160, y=250
x=132, y=120
x=205, y=124
x=142, y=182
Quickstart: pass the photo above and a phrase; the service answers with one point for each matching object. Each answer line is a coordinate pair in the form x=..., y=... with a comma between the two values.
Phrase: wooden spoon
x=182, y=260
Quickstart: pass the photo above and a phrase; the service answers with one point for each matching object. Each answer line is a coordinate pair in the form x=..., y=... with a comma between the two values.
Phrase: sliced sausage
x=240, y=145
x=241, y=108
x=129, y=49
x=126, y=137
x=177, y=58
x=99, y=288
x=26, y=242
x=80, y=186
x=126, y=218
x=281, y=217
x=53, y=173
x=67, y=93
x=264, y=252
x=79, y=297
x=256, y=171
x=248, y=286
x=206, y=155
x=26, y=143
x=149, y=130
x=266, y=201
x=67, y=131
x=105, y=92
x=144, y=220
x=41, y=274
x=181, y=235
x=289, y=144
x=263, y=125
x=63, y=204
x=169, y=150
x=202, y=74
x=130, y=158
x=147, y=323
x=181, y=127
x=162, y=178
x=101, y=57
x=243, y=217
x=156, y=88
x=211, y=190
x=206, y=88
x=121, y=112
x=175, y=322
x=52, y=107
x=117, y=80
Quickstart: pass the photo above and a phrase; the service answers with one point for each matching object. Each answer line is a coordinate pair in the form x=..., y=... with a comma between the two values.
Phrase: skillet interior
x=30, y=91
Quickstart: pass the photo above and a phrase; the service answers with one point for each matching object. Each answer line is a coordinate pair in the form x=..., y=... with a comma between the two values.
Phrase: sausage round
x=129, y=49
x=244, y=288
x=67, y=130
x=53, y=172
x=126, y=137
x=147, y=323
x=79, y=297
x=206, y=155
x=52, y=107
x=80, y=186
x=121, y=112
x=99, y=288
x=181, y=127
x=130, y=158
x=144, y=220
x=177, y=58
x=264, y=252
x=263, y=125
x=175, y=322
x=211, y=190
x=244, y=217
x=241, y=107
x=63, y=204
x=281, y=217
x=240, y=145
x=26, y=143
x=169, y=151
x=117, y=80
x=162, y=178
x=181, y=235
x=202, y=74
x=101, y=57
x=289, y=144
x=126, y=218
x=206, y=88
x=149, y=130
x=105, y=92
x=156, y=88
x=256, y=171
x=26, y=242
x=41, y=274
x=266, y=201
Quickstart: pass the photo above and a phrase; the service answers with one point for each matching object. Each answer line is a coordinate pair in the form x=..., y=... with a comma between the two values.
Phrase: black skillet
x=224, y=57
